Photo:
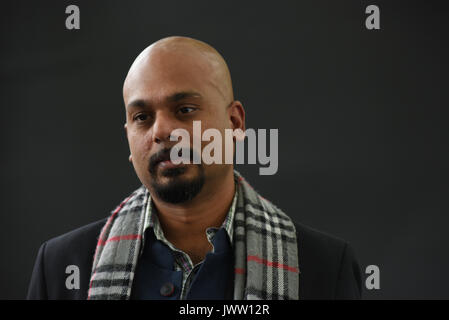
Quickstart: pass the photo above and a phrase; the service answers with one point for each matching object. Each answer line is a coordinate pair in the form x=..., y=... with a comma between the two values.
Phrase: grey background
x=361, y=114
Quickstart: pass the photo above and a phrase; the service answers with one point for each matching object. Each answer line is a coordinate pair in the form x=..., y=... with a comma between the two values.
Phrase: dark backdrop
x=362, y=121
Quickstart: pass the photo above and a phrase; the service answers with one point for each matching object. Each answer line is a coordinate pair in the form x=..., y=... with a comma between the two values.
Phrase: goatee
x=178, y=189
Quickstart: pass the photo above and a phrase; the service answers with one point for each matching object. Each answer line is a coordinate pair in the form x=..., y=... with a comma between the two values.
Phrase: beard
x=178, y=189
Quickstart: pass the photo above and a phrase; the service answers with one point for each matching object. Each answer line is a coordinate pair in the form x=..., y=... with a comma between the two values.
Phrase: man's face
x=165, y=92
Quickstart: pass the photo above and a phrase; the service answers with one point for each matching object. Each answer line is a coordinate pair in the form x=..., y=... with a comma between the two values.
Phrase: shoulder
x=59, y=255
x=313, y=239
x=82, y=237
x=328, y=266
x=74, y=247
x=309, y=239
x=318, y=251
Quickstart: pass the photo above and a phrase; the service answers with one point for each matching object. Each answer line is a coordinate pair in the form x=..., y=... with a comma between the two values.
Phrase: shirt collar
x=152, y=221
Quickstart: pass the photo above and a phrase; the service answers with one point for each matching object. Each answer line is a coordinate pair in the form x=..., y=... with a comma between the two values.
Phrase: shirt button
x=167, y=289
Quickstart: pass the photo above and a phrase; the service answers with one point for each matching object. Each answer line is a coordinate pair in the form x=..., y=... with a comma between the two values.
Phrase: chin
x=178, y=185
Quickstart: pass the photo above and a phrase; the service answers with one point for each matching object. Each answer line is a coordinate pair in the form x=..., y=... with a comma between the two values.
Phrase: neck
x=184, y=225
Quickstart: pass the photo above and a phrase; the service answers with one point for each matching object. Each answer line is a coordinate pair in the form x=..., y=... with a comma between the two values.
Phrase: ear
x=126, y=132
x=237, y=115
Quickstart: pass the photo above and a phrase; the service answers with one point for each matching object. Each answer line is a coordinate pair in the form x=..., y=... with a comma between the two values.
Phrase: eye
x=185, y=110
x=140, y=117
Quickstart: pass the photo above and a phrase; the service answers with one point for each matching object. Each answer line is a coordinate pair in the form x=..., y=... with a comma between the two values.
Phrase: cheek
x=138, y=144
x=139, y=156
x=214, y=145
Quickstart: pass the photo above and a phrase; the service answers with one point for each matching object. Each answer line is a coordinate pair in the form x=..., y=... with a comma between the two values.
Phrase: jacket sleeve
x=349, y=282
x=37, y=289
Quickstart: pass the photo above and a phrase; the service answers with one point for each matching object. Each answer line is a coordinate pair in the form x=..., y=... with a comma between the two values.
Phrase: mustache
x=164, y=155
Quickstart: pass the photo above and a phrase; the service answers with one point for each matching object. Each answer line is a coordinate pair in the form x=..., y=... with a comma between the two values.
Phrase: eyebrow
x=182, y=95
x=175, y=97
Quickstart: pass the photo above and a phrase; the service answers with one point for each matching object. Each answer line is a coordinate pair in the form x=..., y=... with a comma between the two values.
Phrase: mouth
x=162, y=160
x=167, y=164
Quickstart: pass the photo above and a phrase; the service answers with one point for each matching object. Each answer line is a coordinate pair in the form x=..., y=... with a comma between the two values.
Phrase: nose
x=163, y=126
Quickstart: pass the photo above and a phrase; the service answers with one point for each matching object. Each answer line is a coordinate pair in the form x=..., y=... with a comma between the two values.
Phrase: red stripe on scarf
x=111, y=218
x=119, y=238
x=239, y=271
x=100, y=238
x=272, y=263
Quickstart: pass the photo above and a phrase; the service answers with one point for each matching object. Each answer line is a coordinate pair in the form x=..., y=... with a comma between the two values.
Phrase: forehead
x=163, y=73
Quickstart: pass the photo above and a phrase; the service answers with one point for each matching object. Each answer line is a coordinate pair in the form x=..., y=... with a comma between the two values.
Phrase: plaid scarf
x=265, y=247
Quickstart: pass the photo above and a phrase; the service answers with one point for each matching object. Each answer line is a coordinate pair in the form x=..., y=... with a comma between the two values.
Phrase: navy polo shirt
x=155, y=277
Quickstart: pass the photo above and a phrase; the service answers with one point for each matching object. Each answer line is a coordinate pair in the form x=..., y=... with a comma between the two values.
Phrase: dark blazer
x=328, y=267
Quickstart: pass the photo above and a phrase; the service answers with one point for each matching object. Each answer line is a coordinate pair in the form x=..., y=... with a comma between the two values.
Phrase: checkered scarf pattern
x=265, y=247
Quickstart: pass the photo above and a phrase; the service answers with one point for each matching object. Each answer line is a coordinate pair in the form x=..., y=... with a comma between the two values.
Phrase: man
x=193, y=230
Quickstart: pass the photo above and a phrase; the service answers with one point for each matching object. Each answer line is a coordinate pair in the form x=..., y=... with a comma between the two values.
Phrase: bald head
x=172, y=86
x=177, y=59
